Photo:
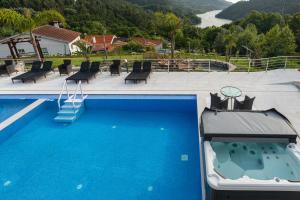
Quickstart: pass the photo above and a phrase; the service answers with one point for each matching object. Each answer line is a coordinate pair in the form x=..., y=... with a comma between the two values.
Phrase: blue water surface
x=117, y=150
x=9, y=107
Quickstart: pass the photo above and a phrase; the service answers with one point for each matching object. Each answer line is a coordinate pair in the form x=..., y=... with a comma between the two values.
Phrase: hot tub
x=250, y=155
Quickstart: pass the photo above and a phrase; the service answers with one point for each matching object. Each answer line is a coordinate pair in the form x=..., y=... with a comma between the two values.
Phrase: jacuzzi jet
x=252, y=152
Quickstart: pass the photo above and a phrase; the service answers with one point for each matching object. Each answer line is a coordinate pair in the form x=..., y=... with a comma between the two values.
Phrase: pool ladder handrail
x=71, y=97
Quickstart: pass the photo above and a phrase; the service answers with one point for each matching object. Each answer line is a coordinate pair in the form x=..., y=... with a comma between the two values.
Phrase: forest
x=263, y=34
x=243, y=8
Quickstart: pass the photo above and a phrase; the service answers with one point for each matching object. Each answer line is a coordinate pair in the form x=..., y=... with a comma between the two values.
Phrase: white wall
x=158, y=47
x=53, y=47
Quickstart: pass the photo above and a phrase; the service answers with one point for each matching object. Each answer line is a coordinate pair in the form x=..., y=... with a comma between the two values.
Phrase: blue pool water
x=118, y=149
x=9, y=107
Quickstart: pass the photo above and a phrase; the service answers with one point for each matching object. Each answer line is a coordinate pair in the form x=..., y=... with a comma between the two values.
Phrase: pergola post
x=11, y=50
x=41, y=55
x=15, y=48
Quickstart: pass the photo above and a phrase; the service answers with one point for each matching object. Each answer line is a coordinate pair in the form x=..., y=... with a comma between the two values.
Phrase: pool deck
x=272, y=89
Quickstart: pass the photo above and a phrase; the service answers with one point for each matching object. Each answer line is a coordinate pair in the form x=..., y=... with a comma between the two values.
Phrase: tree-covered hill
x=92, y=16
x=243, y=8
x=195, y=6
x=182, y=8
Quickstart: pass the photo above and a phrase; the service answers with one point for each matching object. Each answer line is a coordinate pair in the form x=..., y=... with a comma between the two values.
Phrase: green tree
x=85, y=49
x=251, y=40
x=295, y=26
x=168, y=25
x=133, y=47
x=279, y=41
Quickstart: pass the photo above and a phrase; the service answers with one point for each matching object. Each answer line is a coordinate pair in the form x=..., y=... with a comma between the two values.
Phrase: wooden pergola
x=14, y=40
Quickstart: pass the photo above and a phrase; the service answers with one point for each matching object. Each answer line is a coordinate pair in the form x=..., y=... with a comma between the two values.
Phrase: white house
x=53, y=41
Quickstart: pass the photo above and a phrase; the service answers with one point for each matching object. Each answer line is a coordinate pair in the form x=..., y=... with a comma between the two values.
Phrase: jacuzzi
x=250, y=155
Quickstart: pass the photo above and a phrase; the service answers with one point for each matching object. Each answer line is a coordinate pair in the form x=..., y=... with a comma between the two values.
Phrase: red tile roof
x=99, y=39
x=56, y=33
x=146, y=42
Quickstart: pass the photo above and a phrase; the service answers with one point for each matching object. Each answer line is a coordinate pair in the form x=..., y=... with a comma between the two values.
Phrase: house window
x=21, y=51
x=45, y=51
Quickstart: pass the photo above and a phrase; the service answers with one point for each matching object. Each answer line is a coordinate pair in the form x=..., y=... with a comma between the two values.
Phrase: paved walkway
x=273, y=89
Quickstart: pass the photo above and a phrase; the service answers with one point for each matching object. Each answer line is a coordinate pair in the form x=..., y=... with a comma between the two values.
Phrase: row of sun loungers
x=88, y=70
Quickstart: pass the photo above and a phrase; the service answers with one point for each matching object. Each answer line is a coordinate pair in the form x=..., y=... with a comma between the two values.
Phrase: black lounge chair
x=35, y=68
x=95, y=68
x=8, y=67
x=136, y=72
x=65, y=68
x=147, y=67
x=86, y=72
x=139, y=74
x=47, y=67
x=247, y=104
x=115, y=68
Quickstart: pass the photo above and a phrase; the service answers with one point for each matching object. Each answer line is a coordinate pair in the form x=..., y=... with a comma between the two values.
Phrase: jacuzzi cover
x=250, y=124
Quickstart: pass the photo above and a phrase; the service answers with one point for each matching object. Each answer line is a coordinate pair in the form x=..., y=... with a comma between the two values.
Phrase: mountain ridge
x=243, y=8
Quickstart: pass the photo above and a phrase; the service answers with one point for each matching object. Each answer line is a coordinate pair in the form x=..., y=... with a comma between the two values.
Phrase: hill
x=243, y=8
x=194, y=6
x=91, y=16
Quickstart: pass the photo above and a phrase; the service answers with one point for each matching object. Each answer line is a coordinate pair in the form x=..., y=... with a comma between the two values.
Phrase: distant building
x=156, y=44
x=101, y=42
x=53, y=41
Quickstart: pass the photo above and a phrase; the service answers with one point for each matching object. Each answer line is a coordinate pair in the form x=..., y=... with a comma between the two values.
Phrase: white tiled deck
x=273, y=89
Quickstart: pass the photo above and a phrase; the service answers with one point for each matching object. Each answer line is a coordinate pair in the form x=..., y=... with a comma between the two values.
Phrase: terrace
x=273, y=89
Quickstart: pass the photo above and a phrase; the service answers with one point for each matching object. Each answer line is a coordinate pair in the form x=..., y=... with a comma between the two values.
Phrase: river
x=209, y=19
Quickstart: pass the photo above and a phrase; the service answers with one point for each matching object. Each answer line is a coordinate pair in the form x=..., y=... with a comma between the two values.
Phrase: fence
x=266, y=64
x=192, y=65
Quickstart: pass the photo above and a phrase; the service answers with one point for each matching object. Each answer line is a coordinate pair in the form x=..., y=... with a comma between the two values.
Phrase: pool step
x=70, y=110
x=65, y=119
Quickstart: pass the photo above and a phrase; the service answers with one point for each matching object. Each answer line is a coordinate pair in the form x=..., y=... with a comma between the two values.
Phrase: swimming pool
x=9, y=107
x=123, y=148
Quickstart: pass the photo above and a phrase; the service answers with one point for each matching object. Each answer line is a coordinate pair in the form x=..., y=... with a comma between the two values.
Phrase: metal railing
x=266, y=64
x=65, y=87
x=236, y=64
x=72, y=97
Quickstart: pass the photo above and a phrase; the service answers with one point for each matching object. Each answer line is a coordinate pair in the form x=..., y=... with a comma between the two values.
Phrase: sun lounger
x=87, y=71
x=47, y=67
x=36, y=67
x=136, y=73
